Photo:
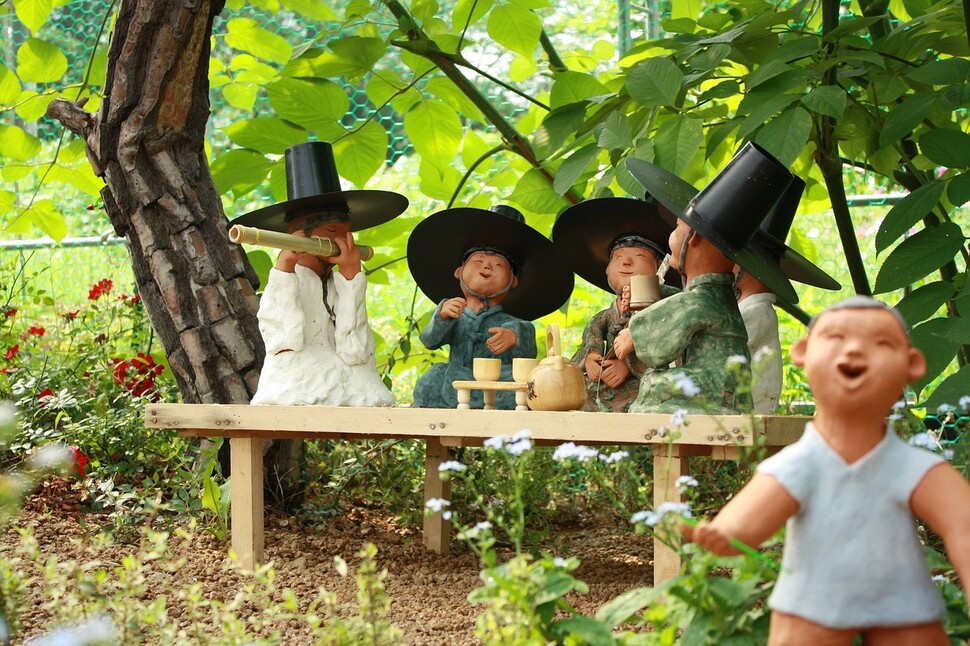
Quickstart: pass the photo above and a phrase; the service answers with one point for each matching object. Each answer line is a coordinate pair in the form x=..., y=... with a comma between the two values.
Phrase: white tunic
x=852, y=555
x=761, y=322
x=311, y=359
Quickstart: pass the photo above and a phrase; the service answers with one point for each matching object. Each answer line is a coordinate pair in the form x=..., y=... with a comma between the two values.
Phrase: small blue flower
x=616, y=456
x=965, y=402
x=572, y=450
x=451, y=465
x=686, y=385
x=436, y=504
x=678, y=417
x=686, y=482
x=496, y=442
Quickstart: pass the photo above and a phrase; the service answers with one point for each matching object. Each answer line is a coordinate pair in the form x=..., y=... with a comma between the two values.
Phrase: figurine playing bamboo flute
x=755, y=299
x=507, y=274
x=849, y=490
x=312, y=314
x=701, y=328
x=609, y=242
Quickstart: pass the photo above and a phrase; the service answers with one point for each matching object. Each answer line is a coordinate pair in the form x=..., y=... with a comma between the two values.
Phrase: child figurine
x=313, y=318
x=702, y=327
x=507, y=273
x=848, y=490
x=607, y=241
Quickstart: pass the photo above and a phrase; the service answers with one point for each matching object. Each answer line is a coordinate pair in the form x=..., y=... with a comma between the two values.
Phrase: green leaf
x=827, y=100
x=957, y=330
x=358, y=54
x=677, y=141
x=240, y=95
x=265, y=134
x=958, y=189
x=654, y=82
x=722, y=90
x=903, y=118
x=39, y=61
x=447, y=91
x=435, y=131
x=469, y=12
x=81, y=177
x=930, y=338
x=248, y=35
x=10, y=87
x=559, y=125
x=361, y=153
x=261, y=263
x=312, y=103
x=950, y=71
x=764, y=110
x=785, y=136
x=534, y=193
x=946, y=146
x=951, y=390
x=32, y=106
x=925, y=301
x=17, y=143
x=438, y=183
x=516, y=28
x=766, y=72
x=574, y=167
x=33, y=13
x=573, y=87
x=616, y=133
x=626, y=605
x=313, y=9
x=239, y=171
x=908, y=212
x=44, y=215
x=580, y=630
x=919, y=255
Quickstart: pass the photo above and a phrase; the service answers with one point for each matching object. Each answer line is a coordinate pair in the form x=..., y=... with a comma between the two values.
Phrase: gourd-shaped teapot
x=556, y=383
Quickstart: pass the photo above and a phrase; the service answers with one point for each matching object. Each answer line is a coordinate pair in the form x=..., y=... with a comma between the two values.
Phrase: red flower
x=47, y=392
x=10, y=312
x=137, y=374
x=7, y=370
x=80, y=460
x=132, y=300
x=36, y=330
x=100, y=288
x=71, y=314
x=12, y=352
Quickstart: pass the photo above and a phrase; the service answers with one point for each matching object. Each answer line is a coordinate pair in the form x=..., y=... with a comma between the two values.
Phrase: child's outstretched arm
x=942, y=500
x=758, y=511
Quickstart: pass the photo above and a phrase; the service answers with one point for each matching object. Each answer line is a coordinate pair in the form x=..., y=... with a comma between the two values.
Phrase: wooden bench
x=720, y=437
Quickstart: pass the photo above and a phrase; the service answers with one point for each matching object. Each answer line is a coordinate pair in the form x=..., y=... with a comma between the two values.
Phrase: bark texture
x=147, y=142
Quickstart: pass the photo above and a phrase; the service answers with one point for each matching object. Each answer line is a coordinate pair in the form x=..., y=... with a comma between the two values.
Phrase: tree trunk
x=147, y=143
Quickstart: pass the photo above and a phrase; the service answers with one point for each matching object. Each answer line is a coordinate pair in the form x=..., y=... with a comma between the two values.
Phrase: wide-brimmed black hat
x=312, y=184
x=584, y=233
x=438, y=245
x=729, y=211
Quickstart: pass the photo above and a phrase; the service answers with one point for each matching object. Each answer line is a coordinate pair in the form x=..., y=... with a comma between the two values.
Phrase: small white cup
x=487, y=369
x=522, y=369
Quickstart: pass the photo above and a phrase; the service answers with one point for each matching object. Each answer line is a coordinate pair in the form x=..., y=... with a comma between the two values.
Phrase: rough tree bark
x=147, y=143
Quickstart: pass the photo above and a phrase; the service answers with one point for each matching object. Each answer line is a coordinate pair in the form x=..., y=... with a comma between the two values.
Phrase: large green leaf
x=435, y=131
x=946, y=146
x=447, y=91
x=248, y=35
x=919, y=255
x=80, y=176
x=311, y=9
x=677, y=141
x=574, y=167
x=33, y=13
x=312, y=103
x=951, y=390
x=766, y=72
x=534, y=193
x=239, y=171
x=265, y=134
x=361, y=153
x=572, y=87
x=39, y=61
x=468, y=12
x=785, y=136
x=925, y=301
x=930, y=338
x=44, y=215
x=17, y=143
x=827, y=100
x=654, y=82
x=516, y=28
x=762, y=111
x=240, y=95
x=580, y=630
x=959, y=189
x=949, y=71
x=903, y=118
x=558, y=126
x=32, y=106
x=358, y=54
x=9, y=86
x=907, y=213
x=626, y=605
x=616, y=133
x=439, y=182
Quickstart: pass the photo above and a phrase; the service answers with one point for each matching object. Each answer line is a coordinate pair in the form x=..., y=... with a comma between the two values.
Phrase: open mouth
x=851, y=371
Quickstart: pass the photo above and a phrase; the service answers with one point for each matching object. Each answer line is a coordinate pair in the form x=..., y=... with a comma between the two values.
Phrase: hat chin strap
x=683, y=258
x=482, y=297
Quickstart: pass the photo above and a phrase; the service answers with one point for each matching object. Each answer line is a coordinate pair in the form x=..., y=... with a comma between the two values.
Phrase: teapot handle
x=552, y=340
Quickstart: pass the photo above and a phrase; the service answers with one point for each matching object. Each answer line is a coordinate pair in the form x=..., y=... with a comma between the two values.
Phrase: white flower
x=900, y=405
x=524, y=434
x=518, y=447
x=451, y=465
x=482, y=526
x=652, y=518
x=943, y=409
x=939, y=578
x=640, y=516
x=925, y=440
x=736, y=359
x=96, y=630
x=965, y=402
x=948, y=455
x=686, y=385
x=559, y=561
x=762, y=354
x=616, y=456
x=573, y=450
x=686, y=482
x=496, y=442
x=436, y=504
x=678, y=417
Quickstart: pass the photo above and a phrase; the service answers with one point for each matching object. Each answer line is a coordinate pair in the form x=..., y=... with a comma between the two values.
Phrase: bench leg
x=246, y=460
x=437, y=530
x=668, y=465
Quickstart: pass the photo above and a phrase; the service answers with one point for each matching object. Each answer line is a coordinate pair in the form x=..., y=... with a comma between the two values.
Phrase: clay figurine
x=491, y=274
x=312, y=314
x=701, y=328
x=848, y=490
x=607, y=241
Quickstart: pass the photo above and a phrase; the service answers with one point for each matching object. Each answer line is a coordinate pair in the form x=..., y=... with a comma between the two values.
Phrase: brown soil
x=429, y=592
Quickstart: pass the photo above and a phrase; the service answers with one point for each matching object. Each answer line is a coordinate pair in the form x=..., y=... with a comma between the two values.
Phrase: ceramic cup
x=522, y=369
x=487, y=369
x=644, y=291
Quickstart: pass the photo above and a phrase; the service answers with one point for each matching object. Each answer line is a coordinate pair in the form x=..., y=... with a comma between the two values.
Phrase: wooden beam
x=246, y=500
x=437, y=530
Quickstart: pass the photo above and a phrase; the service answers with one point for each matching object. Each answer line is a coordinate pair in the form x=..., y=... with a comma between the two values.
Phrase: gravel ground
x=428, y=592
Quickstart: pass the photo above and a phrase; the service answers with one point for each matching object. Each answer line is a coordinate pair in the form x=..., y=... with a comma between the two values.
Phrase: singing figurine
x=701, y=328
x=506, y=273
x=312, y=314
x=849, y=490
x=607, y=241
